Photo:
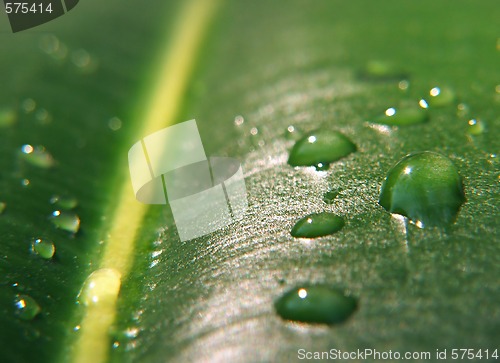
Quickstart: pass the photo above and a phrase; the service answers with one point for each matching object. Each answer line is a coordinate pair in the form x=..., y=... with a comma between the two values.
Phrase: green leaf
x=257, y=76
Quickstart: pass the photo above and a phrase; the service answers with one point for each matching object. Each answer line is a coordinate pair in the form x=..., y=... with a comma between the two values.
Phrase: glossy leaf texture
x=265, y=75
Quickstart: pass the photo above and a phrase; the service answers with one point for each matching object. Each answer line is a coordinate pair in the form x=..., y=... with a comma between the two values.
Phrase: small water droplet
x=462, y=109
x=28, y=105
x=441, y=96
x=67, y=221
x=43, y=248
x=49, y=43
x=425, y=187
x=26, y=307
x=475, y=127
x=497, y=88
x=330, y=196
x=383, y=71
x=37, y=156
x=2, y=207
x=320, y=147
x=64, y=201
x=403, y=85
x=100, y=287
x=80, y=58
x=115, y=123
x=239, y=120
x=254, y=131
x=25, y=182
x=43, y=116
x=8, y=117
x=317, y=225
x=403, y=117
x=316, y=304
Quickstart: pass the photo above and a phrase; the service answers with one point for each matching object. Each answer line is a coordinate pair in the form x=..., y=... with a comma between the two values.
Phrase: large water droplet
x=317, y=225
x=425, y=187
x=37, y=156
x=67, y=221
x=320, y=148
x=7, y=117
x=64, y=201
x=100, y=287
x=316, y=304
x=440, y=97
x=26, y=307
x=43, y=248
x=402, y=117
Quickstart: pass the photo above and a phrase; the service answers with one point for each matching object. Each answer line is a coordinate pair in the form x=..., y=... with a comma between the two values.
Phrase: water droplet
x=330, y=196
x=7, y=117
x=441, y=96
x=37, y=156
x=64, y=202
x=25, y=182
x=462, y=109
x=316, y=304
x=317, y=225
x=43, y=248
x=403, y=117
x=49, y=43
x=425, y=187
x=497, y=88
x=2, y=207
x=254, y=131
x=100, y=287
x=320, y=147
x=26, y=307
x=67, y=221
x=383, y=71
x=43, y=116
x=475, y=127
x=403, y=85
x=239, y=120
x=28, y=105
x=115, y=123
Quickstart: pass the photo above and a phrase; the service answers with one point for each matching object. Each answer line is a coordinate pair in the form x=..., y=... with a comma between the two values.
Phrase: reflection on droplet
x=317, y=225
x=37, y=156
x=425, y=187
x=475, y=127
x=67, y=221
x=320, y=148
x=100, y=287
x=239, y=120
x=115, y=123
x=43, y=248
x=64, y=201
x=8, y=117
x=441, y=96
x=319, y=304
x=403, y=117
x=26, y=307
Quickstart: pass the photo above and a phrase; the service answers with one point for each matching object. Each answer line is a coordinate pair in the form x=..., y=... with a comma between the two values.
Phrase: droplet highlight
x=67, y=221
x=320, y=148
x=318, y=304
x=425, y=187
x=475, y=127
x=317, y=225
x=26, y=307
